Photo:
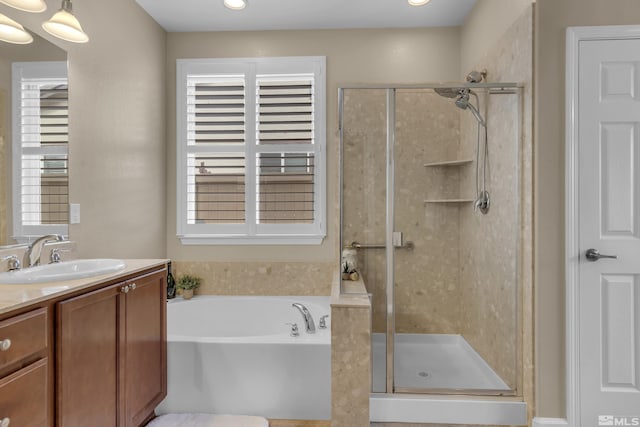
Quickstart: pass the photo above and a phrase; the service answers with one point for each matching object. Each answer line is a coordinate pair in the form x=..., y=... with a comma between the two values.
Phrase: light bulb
x=418, y=2
x=12, y=32
x=235, y=4
x=65, y=26
x=27, y=5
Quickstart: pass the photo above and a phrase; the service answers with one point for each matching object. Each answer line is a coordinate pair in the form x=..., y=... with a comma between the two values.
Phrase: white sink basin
x=67, y=270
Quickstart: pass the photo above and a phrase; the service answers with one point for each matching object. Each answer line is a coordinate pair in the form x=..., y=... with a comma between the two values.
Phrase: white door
x=608, y=289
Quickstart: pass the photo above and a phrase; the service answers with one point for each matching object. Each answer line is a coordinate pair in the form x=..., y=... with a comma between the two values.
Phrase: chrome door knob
x=4, y=346
x=593, y=255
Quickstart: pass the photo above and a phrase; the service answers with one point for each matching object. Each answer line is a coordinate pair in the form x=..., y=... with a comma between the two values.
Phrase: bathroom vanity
x=84, y=352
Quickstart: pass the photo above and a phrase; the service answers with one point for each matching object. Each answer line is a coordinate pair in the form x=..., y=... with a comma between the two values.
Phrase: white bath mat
x=207, y=420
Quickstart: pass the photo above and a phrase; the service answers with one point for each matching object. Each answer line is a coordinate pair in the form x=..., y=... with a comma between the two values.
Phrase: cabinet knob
x=124, y=289
x=133, y=286
x=5, y=422
x=4, y=346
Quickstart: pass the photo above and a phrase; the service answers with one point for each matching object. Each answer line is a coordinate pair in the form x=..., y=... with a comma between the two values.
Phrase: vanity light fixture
x=418, y=2
x=235, y=4
x=12, y=32
x=27, y=5
x=65, y=26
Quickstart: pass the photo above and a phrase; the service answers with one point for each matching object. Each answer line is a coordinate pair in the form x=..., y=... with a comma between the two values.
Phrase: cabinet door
x=87, y=359
x=144, y=377
x=24, y=396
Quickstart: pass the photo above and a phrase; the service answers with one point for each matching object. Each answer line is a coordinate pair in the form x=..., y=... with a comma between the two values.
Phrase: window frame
x=250, y=232
x=23, y=233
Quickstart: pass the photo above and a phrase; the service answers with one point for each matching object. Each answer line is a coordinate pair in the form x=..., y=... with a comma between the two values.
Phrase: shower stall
x=430, y=206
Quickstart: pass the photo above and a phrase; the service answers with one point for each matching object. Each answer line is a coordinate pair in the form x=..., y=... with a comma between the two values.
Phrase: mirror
x=39, y=50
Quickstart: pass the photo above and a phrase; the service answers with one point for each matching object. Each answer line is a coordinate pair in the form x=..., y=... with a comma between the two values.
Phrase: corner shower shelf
x=448, y=201
x=448, y=163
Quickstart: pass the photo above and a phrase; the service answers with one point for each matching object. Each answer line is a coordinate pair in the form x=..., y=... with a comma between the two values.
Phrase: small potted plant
x=188, y=283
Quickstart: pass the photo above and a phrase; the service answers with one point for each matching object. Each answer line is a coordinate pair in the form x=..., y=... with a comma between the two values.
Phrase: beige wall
x=353, y=56
x=483, y=28
x=116, y=126
x=552, y=18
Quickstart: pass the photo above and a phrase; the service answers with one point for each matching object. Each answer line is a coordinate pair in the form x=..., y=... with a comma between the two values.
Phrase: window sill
x=251, y=240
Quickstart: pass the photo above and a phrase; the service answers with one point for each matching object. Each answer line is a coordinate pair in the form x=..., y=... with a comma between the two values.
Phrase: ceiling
x=211, y=15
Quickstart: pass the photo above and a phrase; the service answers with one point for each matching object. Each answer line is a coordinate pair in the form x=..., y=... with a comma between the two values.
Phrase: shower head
x=476, y=76
x=448, y=92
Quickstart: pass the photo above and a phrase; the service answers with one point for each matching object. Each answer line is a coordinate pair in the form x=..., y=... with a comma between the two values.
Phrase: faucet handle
x=56, y=256
x=294, y=329
x=14, y=263
x=323, y=322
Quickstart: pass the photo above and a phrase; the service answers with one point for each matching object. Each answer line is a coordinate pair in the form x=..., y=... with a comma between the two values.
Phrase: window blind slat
x=218, y=188
x=216, y=110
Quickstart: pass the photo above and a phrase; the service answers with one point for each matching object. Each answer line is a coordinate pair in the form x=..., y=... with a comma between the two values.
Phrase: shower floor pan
x=438, y=362
x=442, y=366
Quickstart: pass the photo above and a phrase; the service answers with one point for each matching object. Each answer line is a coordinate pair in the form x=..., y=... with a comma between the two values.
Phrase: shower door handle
x=593, y=255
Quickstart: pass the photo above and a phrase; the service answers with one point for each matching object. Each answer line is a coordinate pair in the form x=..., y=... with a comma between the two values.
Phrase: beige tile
x=350, y=366
x=260, y=278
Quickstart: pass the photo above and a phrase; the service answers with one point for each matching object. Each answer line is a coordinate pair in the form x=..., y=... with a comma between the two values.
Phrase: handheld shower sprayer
x=462, y=100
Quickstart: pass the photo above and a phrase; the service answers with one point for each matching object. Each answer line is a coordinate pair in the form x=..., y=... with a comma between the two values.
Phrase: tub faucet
x=310, y=326
x=32, y=255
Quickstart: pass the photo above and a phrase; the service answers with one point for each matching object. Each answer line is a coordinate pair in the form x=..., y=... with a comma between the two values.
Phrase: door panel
x=87, y=338
x=620, y=362
x=144, y=356
x=609, y=191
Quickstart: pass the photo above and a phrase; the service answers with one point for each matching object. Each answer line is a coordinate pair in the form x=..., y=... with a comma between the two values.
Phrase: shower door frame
x=507, y=88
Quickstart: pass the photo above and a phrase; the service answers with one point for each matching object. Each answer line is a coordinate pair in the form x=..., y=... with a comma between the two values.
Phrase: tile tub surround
x=350, y=358
x=259, y=278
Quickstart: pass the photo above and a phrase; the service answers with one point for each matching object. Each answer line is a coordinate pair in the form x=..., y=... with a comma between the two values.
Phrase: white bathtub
x=235, y=355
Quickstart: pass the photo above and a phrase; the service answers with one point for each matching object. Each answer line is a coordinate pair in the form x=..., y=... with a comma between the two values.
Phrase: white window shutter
x=248, y=150
x=41, y=135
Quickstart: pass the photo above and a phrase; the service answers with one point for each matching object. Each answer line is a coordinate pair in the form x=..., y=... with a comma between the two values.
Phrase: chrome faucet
x=32, y=255
x=310, y=326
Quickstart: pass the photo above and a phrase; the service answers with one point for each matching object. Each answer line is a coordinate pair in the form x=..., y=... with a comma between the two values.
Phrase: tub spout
x=309, y=324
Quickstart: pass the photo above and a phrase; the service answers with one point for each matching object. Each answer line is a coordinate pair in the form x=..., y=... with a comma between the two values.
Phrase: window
x=40, y=140
x=251, y=149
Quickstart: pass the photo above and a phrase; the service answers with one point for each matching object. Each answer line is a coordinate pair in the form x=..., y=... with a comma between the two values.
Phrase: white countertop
x=16, y=296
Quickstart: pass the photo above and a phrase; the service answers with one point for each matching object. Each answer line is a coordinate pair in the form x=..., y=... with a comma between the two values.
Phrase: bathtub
x=235, y=355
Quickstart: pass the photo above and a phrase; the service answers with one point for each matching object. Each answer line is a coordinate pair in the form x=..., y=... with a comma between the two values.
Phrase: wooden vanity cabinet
x=111, y=354
x=25, y=373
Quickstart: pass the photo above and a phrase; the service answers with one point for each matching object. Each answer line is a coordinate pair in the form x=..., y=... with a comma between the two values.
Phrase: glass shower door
x=444, y=278
x=456, y=286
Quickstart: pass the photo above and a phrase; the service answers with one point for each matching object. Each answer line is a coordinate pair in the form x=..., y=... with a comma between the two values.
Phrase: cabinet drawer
x=22, y=336
x=23, y=396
